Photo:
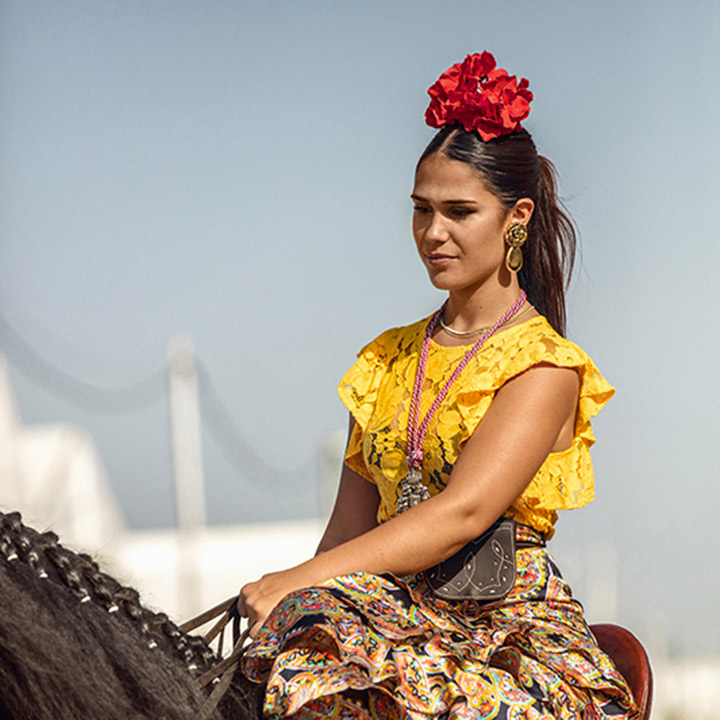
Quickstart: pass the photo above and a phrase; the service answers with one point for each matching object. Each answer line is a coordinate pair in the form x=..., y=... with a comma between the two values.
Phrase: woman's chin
x=449, y=281
x=440, y=280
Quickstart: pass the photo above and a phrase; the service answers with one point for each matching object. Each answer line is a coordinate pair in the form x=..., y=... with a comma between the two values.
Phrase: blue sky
x=239, y=172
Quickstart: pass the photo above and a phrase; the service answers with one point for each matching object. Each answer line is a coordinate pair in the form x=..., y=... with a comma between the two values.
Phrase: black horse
x=75, y=643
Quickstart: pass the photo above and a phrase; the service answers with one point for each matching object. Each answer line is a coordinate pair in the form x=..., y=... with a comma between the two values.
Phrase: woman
x=479, y=412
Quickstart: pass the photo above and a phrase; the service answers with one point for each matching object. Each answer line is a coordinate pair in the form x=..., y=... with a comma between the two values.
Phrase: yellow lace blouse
x=377, y=391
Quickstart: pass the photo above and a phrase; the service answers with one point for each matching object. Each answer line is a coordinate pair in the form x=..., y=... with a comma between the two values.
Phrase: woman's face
x=459, y=224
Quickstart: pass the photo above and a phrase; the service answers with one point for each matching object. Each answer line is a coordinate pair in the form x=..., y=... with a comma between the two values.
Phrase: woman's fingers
x=254, y=627
x=257, y=599
x=247, y=611
x=244, y=607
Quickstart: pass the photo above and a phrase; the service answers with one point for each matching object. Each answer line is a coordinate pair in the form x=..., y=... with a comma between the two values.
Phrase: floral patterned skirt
x=378, y=647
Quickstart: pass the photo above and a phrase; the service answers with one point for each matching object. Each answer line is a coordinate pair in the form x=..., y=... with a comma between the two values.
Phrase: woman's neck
x=468, y=310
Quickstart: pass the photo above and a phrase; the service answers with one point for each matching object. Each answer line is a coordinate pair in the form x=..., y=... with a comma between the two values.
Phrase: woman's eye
x=420, y=209
x=461, y=212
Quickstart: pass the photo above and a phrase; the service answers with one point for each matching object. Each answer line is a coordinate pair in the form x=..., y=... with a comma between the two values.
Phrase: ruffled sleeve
x=565, y=480
x=538, y=343
x=358, y=391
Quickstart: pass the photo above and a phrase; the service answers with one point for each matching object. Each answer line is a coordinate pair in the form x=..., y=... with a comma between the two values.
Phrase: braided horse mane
x=75, y=643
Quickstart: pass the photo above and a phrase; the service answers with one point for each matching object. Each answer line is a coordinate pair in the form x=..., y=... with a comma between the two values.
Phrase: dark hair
x=75, y=643
x=512, y=169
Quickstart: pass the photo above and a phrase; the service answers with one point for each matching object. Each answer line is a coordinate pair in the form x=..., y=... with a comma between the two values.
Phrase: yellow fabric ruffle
x=377, y=389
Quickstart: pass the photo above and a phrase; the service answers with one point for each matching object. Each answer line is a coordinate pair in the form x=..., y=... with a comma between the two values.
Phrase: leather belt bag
x=483, y=570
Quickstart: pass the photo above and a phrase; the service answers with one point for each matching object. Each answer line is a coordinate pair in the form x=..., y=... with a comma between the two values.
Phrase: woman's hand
x=257, y=599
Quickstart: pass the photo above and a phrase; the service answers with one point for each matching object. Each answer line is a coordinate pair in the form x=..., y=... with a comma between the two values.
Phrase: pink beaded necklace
x=412, y=490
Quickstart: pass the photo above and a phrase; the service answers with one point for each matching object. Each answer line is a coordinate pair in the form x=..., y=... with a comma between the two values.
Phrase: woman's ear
x=522, y=211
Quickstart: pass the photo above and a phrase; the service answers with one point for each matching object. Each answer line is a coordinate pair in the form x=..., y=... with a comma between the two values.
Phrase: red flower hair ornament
x=479, y=96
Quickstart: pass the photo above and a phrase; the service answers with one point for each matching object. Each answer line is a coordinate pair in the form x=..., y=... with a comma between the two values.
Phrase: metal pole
x=189, y=481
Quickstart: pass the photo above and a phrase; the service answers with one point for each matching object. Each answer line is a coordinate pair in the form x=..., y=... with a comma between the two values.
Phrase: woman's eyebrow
x=419, y=198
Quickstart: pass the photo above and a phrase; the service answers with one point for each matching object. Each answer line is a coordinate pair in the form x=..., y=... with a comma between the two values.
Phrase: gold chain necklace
x=478, y=331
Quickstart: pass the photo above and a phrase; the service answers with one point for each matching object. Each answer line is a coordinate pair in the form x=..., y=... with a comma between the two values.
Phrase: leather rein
x=220, y=675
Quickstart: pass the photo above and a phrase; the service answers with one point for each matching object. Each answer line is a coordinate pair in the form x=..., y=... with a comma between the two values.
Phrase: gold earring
x=515, y=236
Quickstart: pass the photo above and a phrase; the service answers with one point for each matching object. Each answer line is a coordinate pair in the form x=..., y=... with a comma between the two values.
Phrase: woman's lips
x=437, y=260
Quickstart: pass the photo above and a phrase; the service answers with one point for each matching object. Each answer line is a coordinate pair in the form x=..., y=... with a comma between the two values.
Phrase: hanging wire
x=138, y=396
x=106, y=401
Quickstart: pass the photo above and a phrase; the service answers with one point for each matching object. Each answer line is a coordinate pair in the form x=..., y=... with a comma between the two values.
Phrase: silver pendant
x=412, y=491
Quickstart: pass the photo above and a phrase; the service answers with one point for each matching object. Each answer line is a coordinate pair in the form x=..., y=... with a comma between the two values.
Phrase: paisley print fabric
x=374, y=647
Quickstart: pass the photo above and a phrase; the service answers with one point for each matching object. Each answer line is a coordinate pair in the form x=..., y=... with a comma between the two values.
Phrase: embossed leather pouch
x=483, y=570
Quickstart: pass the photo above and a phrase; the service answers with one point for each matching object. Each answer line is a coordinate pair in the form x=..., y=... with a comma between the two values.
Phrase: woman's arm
x=355, y=510
x=519, y=430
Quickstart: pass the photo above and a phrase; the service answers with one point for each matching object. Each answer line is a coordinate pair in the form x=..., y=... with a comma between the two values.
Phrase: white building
x=52, y=474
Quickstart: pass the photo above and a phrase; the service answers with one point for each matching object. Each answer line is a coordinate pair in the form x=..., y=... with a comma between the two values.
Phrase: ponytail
x=550, y=250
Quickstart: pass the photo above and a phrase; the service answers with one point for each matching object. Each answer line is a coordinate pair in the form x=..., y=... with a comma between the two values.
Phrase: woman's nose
x=436, y=231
